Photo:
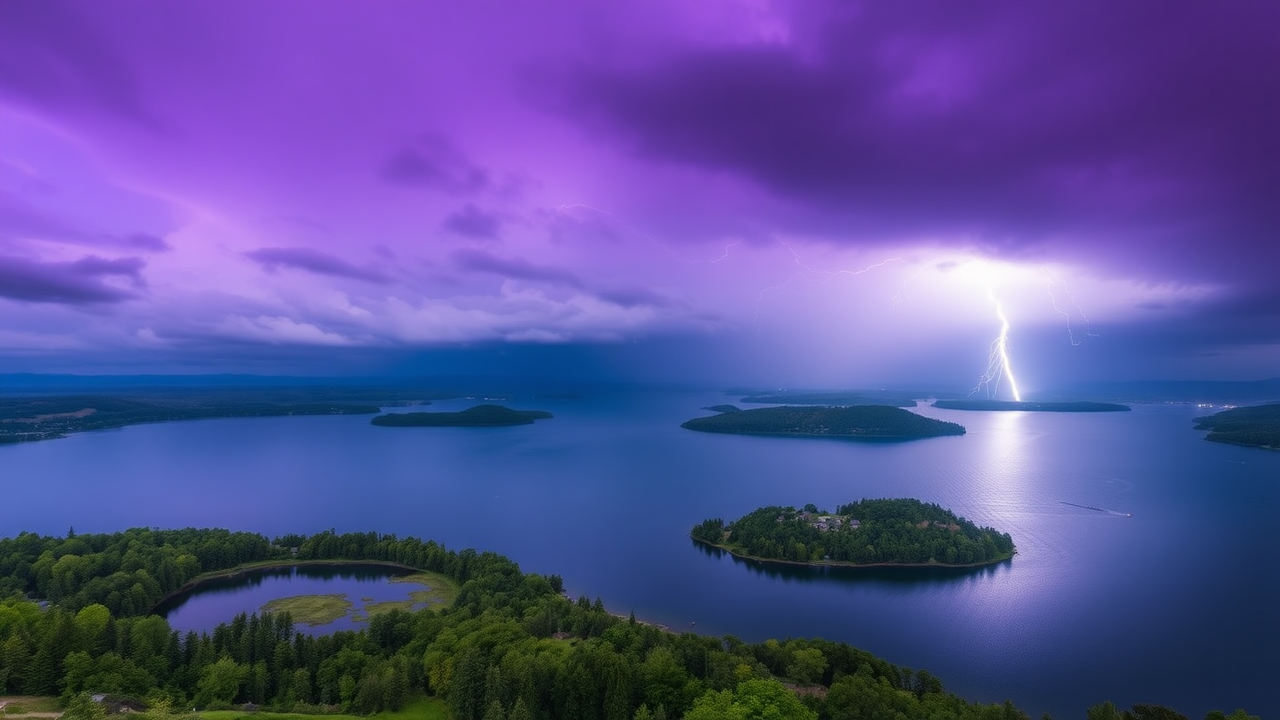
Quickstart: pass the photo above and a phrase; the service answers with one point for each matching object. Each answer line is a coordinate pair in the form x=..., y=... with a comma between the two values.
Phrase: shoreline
x=843, y=564
x=194, y=583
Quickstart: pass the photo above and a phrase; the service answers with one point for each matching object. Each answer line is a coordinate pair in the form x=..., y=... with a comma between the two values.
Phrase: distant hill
x=478, y=416
x=999, y=405
x=1256, y=426
x=855, y=422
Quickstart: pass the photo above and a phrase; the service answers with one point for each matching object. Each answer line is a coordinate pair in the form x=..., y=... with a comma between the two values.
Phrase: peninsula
x=1030, y=406
x=1254, y=426
x=867, y=422
x=890, y=532
x=478, y=416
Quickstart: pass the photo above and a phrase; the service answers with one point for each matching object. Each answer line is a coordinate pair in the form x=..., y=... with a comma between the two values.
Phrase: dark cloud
x=80, y=282
x=1143, y=131
x=53, y=58
x=515, y=268
x=473, y=222
x=435, y=162
x=314, y=261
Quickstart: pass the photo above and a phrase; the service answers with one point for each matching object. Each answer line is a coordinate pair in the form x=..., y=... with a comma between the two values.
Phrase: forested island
x=1254, y=426
x=38, y=416
x=869, y=422
x=75, y=623
x=903, y=532
x=478, y=416
x=997, y=405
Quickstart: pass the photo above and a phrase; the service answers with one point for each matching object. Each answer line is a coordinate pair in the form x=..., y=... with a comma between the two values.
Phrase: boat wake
x=1098, y=509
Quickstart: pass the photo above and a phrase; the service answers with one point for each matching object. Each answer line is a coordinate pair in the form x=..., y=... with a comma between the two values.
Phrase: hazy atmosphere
x=822, y=194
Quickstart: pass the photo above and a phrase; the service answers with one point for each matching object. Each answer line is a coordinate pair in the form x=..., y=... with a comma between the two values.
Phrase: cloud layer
x=821, y=193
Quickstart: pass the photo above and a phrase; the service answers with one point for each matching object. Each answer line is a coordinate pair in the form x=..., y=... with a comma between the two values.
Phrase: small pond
x=365, y=587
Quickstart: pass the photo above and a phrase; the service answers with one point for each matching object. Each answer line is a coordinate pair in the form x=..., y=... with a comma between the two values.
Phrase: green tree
x=82, y=707
x=751, y=700
x=220, y=683
x=807, y=665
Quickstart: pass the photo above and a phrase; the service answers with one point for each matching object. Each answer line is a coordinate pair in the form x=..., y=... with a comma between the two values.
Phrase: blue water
x=218, y=600
x=1175, y=605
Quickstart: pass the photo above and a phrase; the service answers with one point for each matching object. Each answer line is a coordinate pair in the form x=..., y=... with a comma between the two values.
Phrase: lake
x=212, y=602
x=1177, y=604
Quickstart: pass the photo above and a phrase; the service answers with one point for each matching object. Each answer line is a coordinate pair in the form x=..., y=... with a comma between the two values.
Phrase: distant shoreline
x=842, y=564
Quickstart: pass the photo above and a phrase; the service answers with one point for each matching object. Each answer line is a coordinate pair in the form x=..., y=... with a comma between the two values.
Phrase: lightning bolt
x=998, y=365
x=1050, y=283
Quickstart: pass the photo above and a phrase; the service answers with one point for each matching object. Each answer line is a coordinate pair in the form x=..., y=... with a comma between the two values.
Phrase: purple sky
x=821, y=194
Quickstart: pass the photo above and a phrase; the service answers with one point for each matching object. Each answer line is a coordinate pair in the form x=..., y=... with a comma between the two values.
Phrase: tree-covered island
x=1030, y=406
x=1254, y=426
x=867, y=422
x=903, y=532
x=478, y=416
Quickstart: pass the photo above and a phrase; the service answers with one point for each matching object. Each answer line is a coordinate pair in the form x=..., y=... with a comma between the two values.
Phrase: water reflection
x=218, y=600
x=899, y=576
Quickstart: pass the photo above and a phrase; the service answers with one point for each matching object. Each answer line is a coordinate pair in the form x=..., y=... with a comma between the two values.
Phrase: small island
x=723, y=408
x=861, y=422
x=478, y=416
x=868, y=533
x=1253, y=426
x=1005, y=405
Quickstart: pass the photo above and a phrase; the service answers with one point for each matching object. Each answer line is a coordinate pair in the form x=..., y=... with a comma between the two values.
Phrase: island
x=478, y=416
x=869, y=533
x=1005, y=405
x=723, y=408
x=836, y=397
x=861, y=422
x=1254, y=426
x=49, y=417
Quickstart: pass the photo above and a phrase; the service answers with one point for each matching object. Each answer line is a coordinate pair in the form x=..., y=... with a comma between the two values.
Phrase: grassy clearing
x=439, y=590
x=16, y=706
x=311, y=609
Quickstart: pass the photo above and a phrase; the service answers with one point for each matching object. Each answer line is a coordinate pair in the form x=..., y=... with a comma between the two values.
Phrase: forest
x=1255, y=426
x=75, y=620
x=868, y=532
x=869, y=422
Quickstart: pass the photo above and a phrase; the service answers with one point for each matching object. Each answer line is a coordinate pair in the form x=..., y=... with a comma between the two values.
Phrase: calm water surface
x=1175, y=605
x=213, y=602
